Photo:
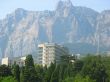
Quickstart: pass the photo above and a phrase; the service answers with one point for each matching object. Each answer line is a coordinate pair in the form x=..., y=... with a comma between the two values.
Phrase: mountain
x=22, y=30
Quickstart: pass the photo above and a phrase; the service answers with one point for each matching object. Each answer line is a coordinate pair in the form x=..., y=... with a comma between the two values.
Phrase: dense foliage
x=70, y=69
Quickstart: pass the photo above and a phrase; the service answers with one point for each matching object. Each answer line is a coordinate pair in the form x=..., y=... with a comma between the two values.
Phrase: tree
x=29, y=61
x=72, y=64
x=40, y=72
x=79, y=78
x=94, y=68
x=22, y=74
x=5, y=71
x=61, y=72
x=78, y=64
x=29, y=74
x=26, y=75
x=69, y=79
x=49, y=71
x=1, y=78
x=67, y=59
x=16, y=72
x=55, y=74
x=8, y=79
x=106, y=62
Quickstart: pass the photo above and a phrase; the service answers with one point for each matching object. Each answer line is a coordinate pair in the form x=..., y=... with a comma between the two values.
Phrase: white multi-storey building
x=50, y=52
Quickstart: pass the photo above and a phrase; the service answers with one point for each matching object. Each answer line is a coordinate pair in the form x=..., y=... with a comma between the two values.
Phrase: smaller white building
x=10, y=61
x=7, y=61
x=20, y=61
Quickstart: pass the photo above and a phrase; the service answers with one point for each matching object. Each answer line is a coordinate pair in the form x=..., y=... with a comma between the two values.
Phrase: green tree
x=29, y=74
x=79, y=78
x=61, y=72
x=16, y=72
x=1, y=78
x=55, y=74
x=9, y=79
x=49, y=72
x=5, y=71
x=69, y=79
x=67, y=59
x=29, y=61
x=22, y=74
x=106, y=61
x=94, y=68
x=78, y=64
x=40, y=72
x=72, y=64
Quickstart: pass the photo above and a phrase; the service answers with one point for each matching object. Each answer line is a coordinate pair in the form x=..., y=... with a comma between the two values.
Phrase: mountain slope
x=22, y=30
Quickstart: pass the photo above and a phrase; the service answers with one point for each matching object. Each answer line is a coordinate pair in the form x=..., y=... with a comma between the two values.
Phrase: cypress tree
x=16, y=72
x=29, y=61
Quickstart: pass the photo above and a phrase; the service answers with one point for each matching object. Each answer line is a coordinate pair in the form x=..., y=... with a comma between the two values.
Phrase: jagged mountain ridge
x=21, y=30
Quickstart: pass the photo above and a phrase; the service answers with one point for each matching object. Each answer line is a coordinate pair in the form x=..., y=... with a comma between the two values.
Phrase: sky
x=8, y=6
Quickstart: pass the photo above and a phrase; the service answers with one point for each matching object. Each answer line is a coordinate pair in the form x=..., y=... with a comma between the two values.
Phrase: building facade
x=7, y=61
x=50, y=52
x=10, y=61
x=20, y=61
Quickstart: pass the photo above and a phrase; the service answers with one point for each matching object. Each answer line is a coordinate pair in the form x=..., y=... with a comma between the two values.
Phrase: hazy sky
x=8, y=6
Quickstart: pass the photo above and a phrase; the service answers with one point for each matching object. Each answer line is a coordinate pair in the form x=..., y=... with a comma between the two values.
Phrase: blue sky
x=8, y=6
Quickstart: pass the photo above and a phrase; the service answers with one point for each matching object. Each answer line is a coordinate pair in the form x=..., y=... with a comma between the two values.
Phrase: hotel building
x=50, y=52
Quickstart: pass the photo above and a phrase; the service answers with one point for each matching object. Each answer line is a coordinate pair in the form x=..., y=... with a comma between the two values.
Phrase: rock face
x=103, y=27
x=22, y=30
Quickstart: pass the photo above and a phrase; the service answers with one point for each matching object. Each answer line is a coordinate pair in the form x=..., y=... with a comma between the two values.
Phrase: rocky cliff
x=22, y=30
